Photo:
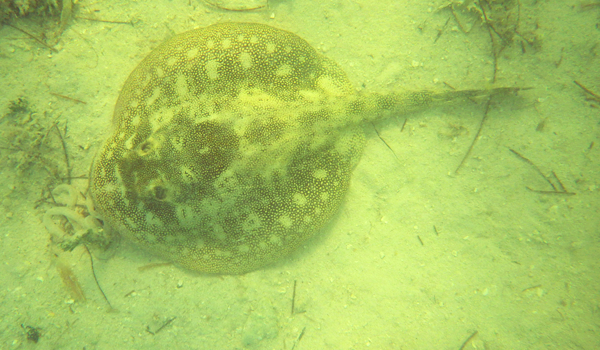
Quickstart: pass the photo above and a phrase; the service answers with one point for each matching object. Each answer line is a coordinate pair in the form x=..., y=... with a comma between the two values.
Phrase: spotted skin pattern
x=218, y=161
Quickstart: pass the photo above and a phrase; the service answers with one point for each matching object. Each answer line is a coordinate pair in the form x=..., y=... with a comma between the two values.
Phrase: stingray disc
x=230, y=148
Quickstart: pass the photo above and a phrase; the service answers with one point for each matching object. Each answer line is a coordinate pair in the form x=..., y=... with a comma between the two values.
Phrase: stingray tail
x=379, y=106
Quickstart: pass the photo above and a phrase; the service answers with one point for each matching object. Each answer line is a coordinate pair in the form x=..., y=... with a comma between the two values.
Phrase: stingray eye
x=160, y=193
x=147, y=147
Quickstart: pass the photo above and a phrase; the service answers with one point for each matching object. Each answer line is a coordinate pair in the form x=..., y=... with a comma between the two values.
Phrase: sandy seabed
x=418, y=257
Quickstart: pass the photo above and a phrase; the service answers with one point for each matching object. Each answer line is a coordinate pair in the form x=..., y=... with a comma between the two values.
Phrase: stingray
x=234, y=144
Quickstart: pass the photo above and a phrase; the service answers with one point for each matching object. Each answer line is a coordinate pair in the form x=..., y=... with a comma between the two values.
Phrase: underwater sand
x=418, y=256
